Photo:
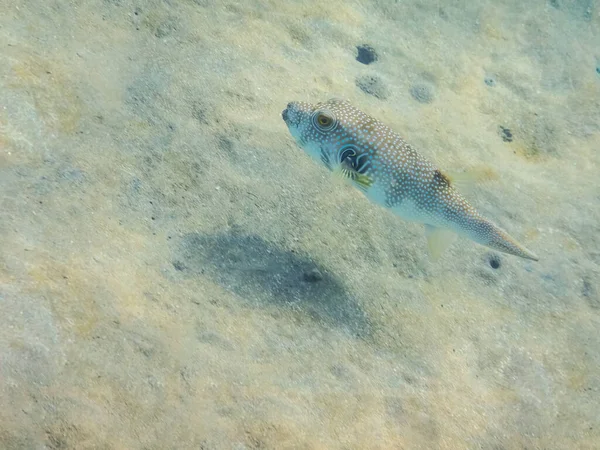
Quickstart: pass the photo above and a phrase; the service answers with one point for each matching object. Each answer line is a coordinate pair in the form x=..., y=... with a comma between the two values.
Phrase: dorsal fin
x=470, y=177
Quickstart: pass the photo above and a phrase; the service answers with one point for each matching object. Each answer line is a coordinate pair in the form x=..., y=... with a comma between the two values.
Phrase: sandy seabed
x=175, y=273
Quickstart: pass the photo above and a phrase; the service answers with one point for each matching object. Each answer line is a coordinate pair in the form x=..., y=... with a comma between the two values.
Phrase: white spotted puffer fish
x=391, y=173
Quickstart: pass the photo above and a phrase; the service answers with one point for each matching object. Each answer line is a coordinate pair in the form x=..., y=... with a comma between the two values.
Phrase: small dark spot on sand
x=366, y=54
x=166, y=28
x=589, y=293
x=409, y=379
x=56, y=441
x=372, y=85
x=76, y=176
x=506, y=134
x=179, y=266
x=212, y=338
x=554, y=4
x=598, y=69
x=494, y=261
x=490, y=81
x=199, y=112
x=226, y=144
x=587, y=287
x=339, y=371
x=313, y=276
x=422, y=92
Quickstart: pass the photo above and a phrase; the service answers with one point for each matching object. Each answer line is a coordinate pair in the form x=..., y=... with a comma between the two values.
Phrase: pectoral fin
x=351, y=176
x=438, y=240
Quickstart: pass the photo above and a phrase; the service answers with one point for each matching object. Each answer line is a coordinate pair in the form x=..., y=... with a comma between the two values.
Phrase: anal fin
x=438, y=240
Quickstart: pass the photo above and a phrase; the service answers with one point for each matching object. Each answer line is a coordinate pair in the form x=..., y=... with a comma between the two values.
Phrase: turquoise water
x=176, y=273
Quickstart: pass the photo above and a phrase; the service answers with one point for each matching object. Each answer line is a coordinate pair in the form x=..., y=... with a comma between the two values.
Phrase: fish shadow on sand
x=263, y=273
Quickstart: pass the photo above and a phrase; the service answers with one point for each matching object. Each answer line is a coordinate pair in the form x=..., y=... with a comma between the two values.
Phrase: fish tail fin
x=487, y=233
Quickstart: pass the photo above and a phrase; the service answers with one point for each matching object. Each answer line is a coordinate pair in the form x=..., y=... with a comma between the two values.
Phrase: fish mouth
x=294, y=113
x=287, y=112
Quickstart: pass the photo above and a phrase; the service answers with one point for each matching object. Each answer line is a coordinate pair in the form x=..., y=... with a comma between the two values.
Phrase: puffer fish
x=391, y=173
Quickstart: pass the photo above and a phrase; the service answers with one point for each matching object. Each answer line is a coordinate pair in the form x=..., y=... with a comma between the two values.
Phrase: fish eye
x=324, y=120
